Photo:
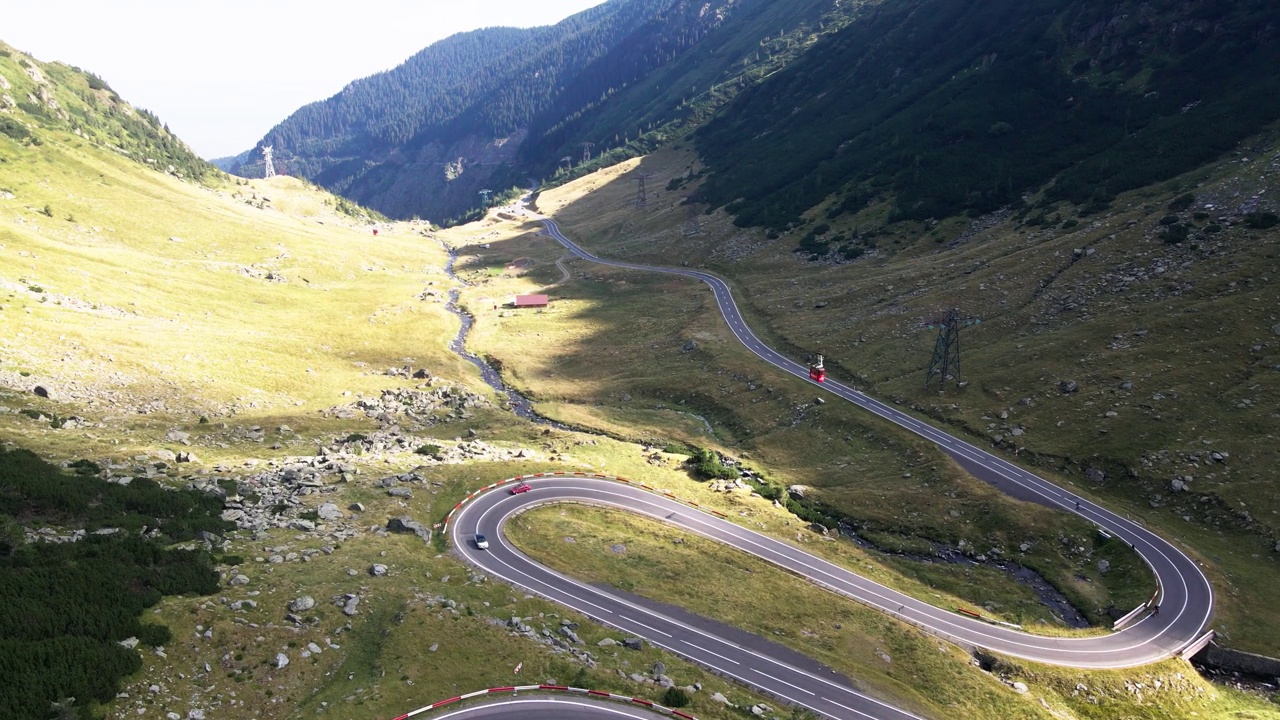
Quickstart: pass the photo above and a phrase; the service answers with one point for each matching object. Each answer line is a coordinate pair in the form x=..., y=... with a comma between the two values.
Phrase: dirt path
x=564, y=271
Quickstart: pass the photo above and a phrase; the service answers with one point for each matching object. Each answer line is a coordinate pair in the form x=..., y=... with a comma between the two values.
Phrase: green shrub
x=1169, y=220
x=769, y=491
x=14, y=129
x=1261, y=220
x=1175, y=234
x=86, y=467
x=429, y=450
x=675, y=697
x=707, y=466
x=1182, y=202
x=95, y=82
x=48, y=210
x=154, y=635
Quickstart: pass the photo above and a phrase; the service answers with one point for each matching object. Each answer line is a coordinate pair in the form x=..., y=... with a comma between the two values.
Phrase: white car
x=482, y=542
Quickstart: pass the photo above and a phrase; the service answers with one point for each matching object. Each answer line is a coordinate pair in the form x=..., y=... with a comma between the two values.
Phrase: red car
x=521, y=488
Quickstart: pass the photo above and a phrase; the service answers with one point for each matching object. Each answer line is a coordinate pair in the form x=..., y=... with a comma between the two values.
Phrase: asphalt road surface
x=550, y=708
x=1185, y=596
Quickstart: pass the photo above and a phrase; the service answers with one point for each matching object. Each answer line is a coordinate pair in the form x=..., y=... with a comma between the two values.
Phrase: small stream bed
x=519, y=404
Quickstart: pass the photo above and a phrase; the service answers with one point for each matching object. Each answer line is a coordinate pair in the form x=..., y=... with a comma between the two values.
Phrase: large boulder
x=302, y=604
x=329, y=511
x=406, y=524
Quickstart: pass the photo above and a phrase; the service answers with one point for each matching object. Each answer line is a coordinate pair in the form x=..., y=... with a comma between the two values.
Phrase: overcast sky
x=222, y=73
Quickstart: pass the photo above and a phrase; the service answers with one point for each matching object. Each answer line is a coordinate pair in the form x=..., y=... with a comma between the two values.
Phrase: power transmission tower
x=946, y=349
x=642, y=196
x=268, y=164
x=692, y=222
x=484, y=196
x=586, y=151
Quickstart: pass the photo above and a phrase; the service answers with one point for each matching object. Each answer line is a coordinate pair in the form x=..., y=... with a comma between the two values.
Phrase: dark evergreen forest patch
x=64, y=607
x=962, y=107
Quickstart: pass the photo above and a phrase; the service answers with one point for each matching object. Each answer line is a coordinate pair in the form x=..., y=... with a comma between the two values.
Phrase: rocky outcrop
x=563, y=639
x=413, y=408
x=276, y=497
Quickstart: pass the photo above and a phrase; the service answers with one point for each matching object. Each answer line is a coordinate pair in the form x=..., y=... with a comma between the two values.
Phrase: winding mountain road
x=549, y=708
x=1185, y=598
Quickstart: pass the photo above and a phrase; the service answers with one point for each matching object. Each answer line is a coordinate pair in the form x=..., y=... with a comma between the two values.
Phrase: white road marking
x=784, y=682
x=697, y=647
x=646, y=627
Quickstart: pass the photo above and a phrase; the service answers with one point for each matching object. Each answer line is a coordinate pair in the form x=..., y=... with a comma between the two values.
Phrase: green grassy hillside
x=249, y=340
x=1171, y=343
x=229, y=337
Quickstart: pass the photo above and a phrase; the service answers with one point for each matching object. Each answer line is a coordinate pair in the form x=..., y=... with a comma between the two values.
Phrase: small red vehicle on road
x=521, y=488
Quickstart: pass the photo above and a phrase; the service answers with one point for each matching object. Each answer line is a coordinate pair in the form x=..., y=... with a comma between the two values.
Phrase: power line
x=642, y=196
x=945, y=363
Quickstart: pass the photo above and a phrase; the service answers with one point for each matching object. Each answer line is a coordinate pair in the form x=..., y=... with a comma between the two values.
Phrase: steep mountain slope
x=950, y=107
x=459, y=105
x=37, y=96
x=230, y=336
x=490, y=108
